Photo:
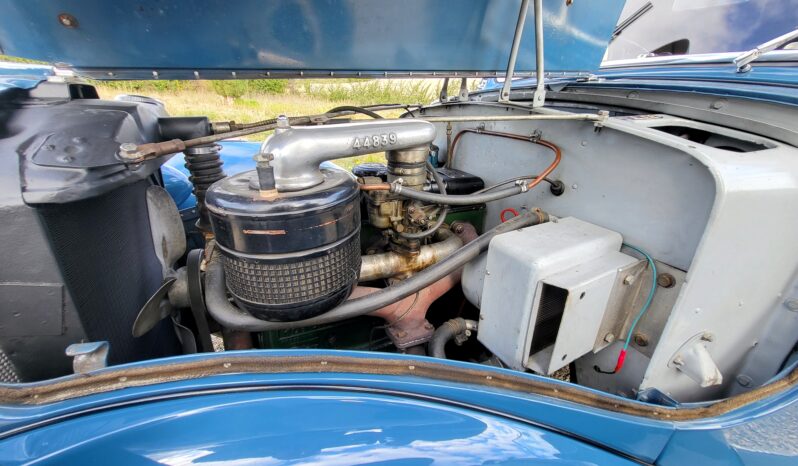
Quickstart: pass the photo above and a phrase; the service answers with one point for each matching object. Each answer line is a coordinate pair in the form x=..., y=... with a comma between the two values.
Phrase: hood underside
x=171, y=39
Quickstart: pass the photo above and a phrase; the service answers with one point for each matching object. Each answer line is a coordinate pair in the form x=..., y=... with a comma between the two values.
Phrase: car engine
x=580, y=242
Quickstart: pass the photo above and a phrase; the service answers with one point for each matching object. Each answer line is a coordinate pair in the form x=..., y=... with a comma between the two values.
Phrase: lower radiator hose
x=230, y=316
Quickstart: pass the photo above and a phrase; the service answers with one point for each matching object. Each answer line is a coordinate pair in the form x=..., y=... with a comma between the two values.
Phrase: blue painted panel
x=22, y=75
x=297, y=427
x=178, y=37
x=179, y=187
x=765, y=83
x=266, y=413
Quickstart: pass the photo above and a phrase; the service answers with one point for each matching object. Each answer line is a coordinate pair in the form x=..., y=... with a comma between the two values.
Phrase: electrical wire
x=643, y=309
x=352, y=108
x=508, y=210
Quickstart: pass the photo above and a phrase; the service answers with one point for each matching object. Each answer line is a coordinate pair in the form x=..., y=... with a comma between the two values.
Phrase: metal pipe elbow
x=298, y=151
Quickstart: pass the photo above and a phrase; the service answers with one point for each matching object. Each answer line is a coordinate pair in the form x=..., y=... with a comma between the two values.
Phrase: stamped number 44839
x=375, y=141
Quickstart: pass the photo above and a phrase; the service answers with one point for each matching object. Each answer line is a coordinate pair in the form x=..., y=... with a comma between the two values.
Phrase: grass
x=300, y=97
x=253, y=100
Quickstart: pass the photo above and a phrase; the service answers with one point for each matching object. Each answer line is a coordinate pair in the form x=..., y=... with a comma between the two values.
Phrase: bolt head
x=609, y=338
x=629, y=279
x=708, y=337
x=792, y=304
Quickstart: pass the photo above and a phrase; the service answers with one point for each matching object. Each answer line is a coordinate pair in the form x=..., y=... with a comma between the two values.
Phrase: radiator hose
x=230, y=316
x=447, y=331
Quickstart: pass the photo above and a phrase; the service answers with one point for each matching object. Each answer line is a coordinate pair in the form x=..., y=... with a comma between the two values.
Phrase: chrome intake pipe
x=297, y=152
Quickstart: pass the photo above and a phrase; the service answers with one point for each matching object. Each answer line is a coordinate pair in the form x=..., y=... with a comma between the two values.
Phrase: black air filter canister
x=291, y=256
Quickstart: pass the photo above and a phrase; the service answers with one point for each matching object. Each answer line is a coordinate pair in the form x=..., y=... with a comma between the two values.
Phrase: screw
x=641, y=339
x=666, y=280
x=629, y=279
x=609, y=338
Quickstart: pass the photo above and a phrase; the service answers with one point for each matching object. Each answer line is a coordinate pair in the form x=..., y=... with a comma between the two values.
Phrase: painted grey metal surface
x=298, y=151
x=683, y=202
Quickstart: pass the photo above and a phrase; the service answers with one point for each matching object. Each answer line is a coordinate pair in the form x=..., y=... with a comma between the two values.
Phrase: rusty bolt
x=641, y=339
x=68, y=20
x=129, y=151
x=666, y=280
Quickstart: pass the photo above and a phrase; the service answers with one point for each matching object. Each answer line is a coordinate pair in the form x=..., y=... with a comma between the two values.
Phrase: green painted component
x=362, y=333
x=474, y=215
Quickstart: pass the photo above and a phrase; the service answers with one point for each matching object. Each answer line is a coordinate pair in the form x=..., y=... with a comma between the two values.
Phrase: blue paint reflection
x=295, y=428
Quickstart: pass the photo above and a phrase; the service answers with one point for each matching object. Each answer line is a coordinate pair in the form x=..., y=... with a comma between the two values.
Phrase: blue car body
x=337, y=407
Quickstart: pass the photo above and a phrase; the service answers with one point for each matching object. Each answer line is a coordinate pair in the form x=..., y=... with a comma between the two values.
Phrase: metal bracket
x=88, y=357
x=463, y=96
x=539, y=95
x=693, y=360
x=504, y=96
x=444, y=95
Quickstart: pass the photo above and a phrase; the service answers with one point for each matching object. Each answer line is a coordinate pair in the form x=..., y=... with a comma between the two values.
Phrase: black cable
x=352, y=108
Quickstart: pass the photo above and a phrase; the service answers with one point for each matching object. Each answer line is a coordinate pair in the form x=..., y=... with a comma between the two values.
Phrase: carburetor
x=403, y=220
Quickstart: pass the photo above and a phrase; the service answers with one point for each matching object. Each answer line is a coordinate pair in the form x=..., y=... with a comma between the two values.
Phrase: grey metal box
x=556, y=277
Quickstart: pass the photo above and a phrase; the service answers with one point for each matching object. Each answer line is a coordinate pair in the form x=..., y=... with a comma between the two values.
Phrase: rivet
x=324, y=363
x=227, y=365
x=68, y=20
x=412, y=368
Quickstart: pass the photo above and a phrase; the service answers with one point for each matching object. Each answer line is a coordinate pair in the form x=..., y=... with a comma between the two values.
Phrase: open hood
x=184, y=39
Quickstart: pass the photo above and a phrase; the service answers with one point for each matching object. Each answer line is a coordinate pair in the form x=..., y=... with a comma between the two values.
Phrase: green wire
x=650, y=293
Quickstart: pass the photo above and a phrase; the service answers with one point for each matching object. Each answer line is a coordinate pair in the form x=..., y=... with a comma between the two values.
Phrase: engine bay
x=612, y=248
